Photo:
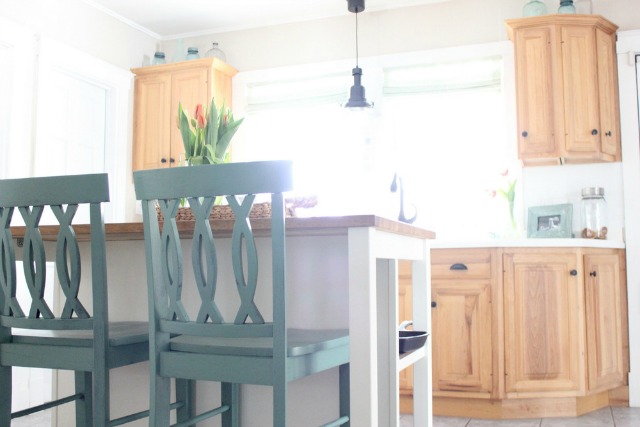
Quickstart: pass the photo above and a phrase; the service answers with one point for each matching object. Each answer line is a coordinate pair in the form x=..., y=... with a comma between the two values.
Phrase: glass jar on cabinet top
x=566, y=6
x=215, y=52
x=158, y=58
x=584, y=7
x=534, y=8
x=594, y=213
x=192, y=53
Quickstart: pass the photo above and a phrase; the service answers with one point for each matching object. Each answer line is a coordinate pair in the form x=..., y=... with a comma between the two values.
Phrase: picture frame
x=552, y=221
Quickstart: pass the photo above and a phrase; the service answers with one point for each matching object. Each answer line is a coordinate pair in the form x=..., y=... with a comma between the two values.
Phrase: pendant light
x=356, y=98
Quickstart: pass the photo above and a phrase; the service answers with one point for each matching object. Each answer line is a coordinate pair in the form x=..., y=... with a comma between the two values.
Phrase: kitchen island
x=353, y=263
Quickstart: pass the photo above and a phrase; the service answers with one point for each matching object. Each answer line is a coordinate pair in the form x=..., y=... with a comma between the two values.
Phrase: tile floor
x=606, y=417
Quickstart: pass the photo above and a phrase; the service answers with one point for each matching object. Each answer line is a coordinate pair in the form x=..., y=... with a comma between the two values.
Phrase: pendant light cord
x=357, y=39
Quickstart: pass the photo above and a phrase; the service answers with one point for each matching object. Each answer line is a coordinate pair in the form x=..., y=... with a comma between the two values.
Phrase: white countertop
x=523, y=243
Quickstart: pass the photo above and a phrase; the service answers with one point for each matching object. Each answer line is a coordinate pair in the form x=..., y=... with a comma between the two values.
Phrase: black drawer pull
x=594, y=132
x=434, y=304
x=458, y=266
x=573, y=272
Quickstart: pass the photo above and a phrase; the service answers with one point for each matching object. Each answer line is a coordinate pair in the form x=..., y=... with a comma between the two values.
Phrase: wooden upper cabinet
x=544, y=327
x=566, y=89
x=158, y=91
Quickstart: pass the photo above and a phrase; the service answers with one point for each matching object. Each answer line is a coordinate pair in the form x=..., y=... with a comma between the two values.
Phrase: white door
x=70, y=136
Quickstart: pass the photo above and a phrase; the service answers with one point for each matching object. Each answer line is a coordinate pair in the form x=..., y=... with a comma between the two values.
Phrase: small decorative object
x=207, y=135
x=258, y=210
x=215, y=52
x=534, y=8
x=550, y=221
x=594, y=213
x=192, y=53
x=158, y=58
x=508, y=193
x=583, y=7
x=566, y=6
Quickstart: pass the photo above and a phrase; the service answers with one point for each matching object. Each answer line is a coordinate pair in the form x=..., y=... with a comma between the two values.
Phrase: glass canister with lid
x=594, y=213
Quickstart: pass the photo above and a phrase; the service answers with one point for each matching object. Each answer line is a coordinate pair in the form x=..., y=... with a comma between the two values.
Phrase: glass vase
x=534, y=8
x=215, y=52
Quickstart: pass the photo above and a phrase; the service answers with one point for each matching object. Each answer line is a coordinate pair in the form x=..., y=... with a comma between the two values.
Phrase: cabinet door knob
x=172, y=160
x=594, y=132
x=608, y=133
x=434, y=304
x=593, y=274
x=525, y=134
x=163, y=160
x=573, y=273
x=458, y=266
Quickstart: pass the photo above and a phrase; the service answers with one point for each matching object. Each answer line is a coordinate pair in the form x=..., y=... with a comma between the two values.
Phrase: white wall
x=628, y=48
x=446, y=24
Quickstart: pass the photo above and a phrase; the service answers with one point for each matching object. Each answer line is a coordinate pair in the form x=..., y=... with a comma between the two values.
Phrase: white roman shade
x=482, y=73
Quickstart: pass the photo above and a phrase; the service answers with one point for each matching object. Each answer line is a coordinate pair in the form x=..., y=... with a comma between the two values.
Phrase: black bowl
x=411, y=340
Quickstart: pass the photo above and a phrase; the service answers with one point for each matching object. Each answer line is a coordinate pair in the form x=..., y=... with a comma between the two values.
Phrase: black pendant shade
x=356, y=97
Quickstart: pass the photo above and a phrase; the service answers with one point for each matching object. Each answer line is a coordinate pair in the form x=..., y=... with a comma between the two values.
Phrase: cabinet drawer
x=462, y=263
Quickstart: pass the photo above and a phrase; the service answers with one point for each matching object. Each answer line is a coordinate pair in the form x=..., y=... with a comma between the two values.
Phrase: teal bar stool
x=79, y=337
x=193, y=340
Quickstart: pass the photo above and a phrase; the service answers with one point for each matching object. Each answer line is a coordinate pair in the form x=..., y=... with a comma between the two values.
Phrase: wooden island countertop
x=295, y=226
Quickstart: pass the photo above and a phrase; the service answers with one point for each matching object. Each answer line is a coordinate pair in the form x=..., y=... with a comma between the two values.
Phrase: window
x=441, y=124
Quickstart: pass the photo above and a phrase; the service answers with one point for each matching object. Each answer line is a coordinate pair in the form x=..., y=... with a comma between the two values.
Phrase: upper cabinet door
x=580, y=84
x=189, y=88
x=534, y=80
x=608, y=93
x=151, y=125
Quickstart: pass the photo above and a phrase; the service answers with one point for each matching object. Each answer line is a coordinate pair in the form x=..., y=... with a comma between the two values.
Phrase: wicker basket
x=259, y=210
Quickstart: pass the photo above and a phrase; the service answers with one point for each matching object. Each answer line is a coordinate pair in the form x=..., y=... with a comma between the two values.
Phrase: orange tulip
x=200, y=119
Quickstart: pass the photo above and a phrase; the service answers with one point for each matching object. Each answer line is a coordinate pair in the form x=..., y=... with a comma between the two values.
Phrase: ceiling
x=166, y=19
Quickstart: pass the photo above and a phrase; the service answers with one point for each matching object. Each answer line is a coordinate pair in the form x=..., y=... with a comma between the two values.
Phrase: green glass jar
x=534, y=8
x=566, y=7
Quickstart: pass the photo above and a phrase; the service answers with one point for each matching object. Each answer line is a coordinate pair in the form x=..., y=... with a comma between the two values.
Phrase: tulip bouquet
x=508, y=192
x=207, y=135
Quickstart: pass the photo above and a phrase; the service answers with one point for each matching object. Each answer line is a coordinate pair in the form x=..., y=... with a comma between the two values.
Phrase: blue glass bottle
x=534, y=8
x=192, y=53
x=566, y=6
x=158, y=58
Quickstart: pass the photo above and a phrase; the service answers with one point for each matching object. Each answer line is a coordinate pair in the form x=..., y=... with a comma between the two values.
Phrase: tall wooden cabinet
x=566, y=89
x=158, y=90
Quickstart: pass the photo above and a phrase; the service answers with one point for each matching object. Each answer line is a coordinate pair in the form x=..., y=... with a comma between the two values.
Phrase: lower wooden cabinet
x=461, y=321
x=527, y=332
x=606, y=320
x=544, y=326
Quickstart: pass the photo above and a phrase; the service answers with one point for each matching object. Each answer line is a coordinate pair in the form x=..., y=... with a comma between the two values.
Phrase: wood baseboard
x=523, y=408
